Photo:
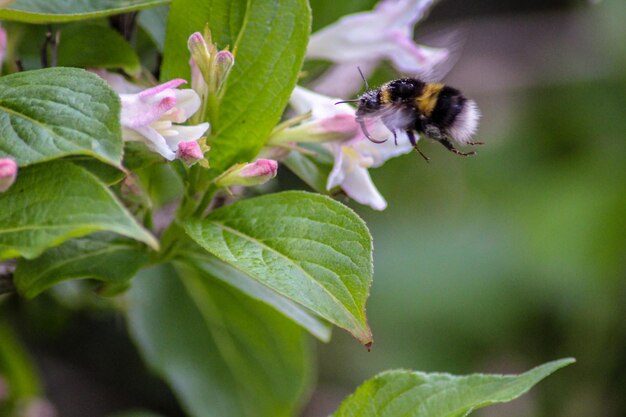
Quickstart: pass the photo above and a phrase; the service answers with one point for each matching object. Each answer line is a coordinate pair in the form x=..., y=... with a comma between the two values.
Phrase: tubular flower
x=364, y=39
x=150, y=116
x=255, y=173
x=354, y=157
x=327, y=121
x=355, y=154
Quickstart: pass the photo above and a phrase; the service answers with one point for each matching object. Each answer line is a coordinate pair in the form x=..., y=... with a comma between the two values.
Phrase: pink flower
x=327, y=121
x=8, y=173
x=3, y=44
x=364, y=39
x=255, y=173
x=208, y=62
x=354, y=154
x=189, y=152
x=117, y=82
x=354, y=157
x=150, y=116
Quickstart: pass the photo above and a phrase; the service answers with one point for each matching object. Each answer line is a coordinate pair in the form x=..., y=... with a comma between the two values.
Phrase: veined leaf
x=56, y=201
x=270, y=39
x=102, y=256
x=223, y=354
x=254, y=289
x=307, y=247
x=56, y=112
x=55, y=11
x=419, y=394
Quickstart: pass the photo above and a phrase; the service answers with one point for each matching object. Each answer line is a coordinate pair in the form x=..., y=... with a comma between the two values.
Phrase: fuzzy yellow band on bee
x=428, y=99
x=385, y=95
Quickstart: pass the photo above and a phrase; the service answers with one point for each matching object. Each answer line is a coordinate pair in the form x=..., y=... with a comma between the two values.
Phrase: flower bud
x=224, y=61
x=255, y=173
x=207, y=60
x=200, y=53
x=8, y=173
x=189, y=152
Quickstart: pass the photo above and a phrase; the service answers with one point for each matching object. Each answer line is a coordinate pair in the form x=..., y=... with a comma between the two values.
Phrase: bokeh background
x=517, y=256
x=495, y=263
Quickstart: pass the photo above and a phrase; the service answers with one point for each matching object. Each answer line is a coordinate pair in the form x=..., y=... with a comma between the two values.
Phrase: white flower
x=364, y=39
x=328, y=122
x=150, y=116
x=354, y=156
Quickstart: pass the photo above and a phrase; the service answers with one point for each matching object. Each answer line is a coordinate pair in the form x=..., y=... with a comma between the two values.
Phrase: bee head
x=368, y=103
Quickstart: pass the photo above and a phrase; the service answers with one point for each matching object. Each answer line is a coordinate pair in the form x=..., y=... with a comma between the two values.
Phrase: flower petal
x=187, y=102
x=321, y=106
x=337, y=175
x=172, y=84
x=154, y=140
x=117, y=82
x=379, y=153
x=138, y=111
x=359, y=186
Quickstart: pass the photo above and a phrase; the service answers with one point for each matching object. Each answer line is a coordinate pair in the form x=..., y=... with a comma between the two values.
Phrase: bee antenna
x=367, y=87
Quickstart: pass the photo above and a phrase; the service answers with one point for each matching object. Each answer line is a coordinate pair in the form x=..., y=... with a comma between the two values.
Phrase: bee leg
x=445, y=142
x=475, y=143
x=411, y=136
x=395, y=137
x=361, y=123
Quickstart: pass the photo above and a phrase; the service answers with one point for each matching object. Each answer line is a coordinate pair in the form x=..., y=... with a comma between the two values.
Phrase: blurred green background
x=517, y=256
x=495, y=263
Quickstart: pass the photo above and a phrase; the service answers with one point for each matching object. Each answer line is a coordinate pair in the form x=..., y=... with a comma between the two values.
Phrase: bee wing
x=386, y=122
x=452, y=41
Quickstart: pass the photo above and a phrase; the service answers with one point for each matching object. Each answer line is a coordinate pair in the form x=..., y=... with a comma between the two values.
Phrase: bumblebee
x=435, y=110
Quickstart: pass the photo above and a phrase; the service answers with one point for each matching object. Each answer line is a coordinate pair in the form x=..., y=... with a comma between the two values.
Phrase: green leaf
x=419, y=394
x=54, y=11
x=224, y=354
x=56, y=201
x=307, y=247
x=108, y=174
x=102, y=256
x=312, y=169
x=232, y=276
x=96, y=46
x=270, y=38
x=51, y=113
x=16, y=367
x=154, y=22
